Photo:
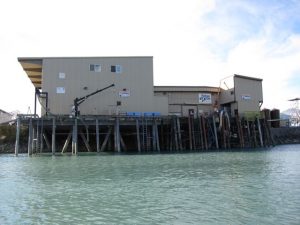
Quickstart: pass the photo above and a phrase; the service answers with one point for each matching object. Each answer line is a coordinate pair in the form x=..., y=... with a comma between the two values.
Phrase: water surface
x=246, y=187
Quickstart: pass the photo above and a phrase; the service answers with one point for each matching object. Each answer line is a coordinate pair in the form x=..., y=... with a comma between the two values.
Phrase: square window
x=116, y=69
x=113, y=69
x=95, y=67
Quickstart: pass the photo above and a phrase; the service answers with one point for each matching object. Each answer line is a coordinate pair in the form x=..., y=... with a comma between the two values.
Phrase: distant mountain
x=286, y=114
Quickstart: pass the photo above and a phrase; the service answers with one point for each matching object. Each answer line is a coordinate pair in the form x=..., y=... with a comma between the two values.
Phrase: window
x=116, y=69
x=61, y=75
x=60, y=90
x=95, y=67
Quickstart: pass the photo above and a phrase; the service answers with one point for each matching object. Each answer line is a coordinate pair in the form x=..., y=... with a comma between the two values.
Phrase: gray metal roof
x=186, y=89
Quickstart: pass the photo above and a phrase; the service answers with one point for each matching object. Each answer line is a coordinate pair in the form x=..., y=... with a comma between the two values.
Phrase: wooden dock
x=141, y=134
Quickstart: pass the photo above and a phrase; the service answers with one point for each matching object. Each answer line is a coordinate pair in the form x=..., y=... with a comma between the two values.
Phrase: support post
x=75, y=138
x=215, y=131
x=85, y=141
x=106, y=139
x=179, y=133
x=117, y=135
x=53, y=136
x=175, y=133
x=67, y=143
x=37, y=146
x=47, y=141
x=123, y=143
x=35, y=98
x=260, y=133
x=30, y=137
x=41, y=136
x=190, y=132
x=204, y=132
x=153, y=136
x=138, y=139
x=157, y=137
x=17, y=145
x=97, y=136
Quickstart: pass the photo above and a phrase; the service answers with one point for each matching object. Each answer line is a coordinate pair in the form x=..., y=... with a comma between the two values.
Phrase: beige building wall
x=67, y=78
x=248, y=94
x=182, y=99
x=245, y=96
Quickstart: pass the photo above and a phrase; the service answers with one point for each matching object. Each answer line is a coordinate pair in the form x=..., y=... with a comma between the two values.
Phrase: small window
x=116, y=69
x=61, y=75
x=95, y=67
x=60, y=90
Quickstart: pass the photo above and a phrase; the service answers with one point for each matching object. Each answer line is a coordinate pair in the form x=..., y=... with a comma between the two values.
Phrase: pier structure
x=141, y=134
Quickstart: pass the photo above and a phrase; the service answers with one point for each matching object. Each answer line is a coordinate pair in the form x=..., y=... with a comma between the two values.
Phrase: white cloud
x=193, y=42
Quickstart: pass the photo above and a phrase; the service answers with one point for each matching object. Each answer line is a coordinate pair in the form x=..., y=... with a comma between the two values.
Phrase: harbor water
x=240, y=187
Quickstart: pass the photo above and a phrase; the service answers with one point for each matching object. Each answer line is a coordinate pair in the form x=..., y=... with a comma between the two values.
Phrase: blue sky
x=195, y=42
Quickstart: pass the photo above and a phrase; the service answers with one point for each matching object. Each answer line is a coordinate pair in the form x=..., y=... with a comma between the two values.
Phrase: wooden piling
x=215, y=131
x=17, y=145
x=204, y=132
x=75, y=138
x=138, y=140
x=85, y=141
x=179, y=133
x=154, y=147
x=117, y=135
x=190, y=132
x=30, y=138
x=106, y=139
x=53, y=135
x=41, y=136
x=67, y=143
x=260, y=133
x=37, y=136
x=97, y=136
x=157, y=136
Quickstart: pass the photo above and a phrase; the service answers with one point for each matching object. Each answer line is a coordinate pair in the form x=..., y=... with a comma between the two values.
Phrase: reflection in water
x=261, y=187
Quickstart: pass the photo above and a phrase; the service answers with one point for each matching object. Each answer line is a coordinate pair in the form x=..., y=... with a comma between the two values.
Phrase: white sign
x=205, y=98
x=124, y=94
x=60, y=90
x=246, y=97
x=61, y=75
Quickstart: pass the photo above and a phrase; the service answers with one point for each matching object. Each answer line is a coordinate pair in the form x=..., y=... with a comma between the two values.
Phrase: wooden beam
x=106, y=139
x=30, y=137
x=67, y=143
x=97, y=136
x=53, y=136
x=87, y=145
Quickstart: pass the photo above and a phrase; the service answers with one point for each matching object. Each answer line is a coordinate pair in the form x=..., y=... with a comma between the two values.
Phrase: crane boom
x=78, y=101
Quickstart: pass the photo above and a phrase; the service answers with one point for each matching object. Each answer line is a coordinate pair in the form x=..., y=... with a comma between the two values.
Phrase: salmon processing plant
x=109, y=104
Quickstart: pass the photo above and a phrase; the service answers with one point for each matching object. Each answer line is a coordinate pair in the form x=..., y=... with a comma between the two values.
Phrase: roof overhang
x=33, y=68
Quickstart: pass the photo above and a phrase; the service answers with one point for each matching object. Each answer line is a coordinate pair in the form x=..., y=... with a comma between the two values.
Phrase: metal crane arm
x=78, y=101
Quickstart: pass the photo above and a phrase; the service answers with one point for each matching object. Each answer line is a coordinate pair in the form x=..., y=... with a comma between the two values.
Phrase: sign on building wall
x=205, y=98
x=124, y=93
x=246, y=97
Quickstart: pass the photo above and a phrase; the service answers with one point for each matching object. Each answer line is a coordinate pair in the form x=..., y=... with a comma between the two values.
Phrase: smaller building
x=241, y=94
x=186, y=100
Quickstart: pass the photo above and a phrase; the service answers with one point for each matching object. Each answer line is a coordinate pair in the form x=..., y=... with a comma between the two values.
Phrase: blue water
x=246, y=187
